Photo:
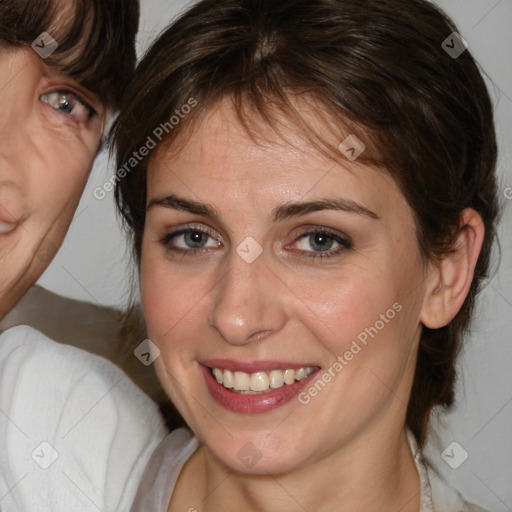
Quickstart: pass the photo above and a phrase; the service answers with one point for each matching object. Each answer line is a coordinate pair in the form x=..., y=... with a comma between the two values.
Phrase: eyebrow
x=186, y=205
x=282, y=212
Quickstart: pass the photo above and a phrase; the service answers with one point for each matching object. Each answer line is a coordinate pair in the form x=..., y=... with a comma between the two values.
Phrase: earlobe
x=449, y=282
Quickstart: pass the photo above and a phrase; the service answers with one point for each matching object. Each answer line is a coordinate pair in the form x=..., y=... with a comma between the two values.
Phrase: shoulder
x=75, y=430
x=97, y=329
x=33, y=365
x=68, y=321
x=163, y=469
x=436, y=494
x=445, y=498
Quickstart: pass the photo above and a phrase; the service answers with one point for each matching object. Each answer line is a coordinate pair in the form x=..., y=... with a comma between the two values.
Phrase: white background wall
x=92, y=266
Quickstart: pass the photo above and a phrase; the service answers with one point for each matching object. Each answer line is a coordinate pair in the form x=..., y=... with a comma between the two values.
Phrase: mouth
x=7, y=227
x=255, y=390
x=260, y=382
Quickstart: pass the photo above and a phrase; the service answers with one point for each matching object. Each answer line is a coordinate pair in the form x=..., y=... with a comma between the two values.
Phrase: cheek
x=64, y=169
x=365, y=312
x=74, y=171
x=158, y=303
x=344, y=305
x=171, y=302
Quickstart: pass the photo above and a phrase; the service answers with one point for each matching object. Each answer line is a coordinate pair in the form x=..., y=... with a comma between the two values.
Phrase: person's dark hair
x=375, y=68
x=96, y=39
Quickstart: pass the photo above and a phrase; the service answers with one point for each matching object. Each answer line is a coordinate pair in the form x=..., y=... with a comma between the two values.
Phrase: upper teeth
x=259, y=381
x=5, y=227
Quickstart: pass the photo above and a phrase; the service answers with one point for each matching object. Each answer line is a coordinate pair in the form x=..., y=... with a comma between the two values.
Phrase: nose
x=249, y=302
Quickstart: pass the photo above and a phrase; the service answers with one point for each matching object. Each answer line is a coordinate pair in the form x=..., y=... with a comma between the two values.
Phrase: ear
x=448, y=284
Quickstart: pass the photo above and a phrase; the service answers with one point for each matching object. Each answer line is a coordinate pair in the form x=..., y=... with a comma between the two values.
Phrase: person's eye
x=190, y=240
x=321, y=243
x=69, y=104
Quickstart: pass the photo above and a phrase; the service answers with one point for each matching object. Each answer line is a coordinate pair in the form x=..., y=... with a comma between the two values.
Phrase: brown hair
x=378, y=69
x=102, y=30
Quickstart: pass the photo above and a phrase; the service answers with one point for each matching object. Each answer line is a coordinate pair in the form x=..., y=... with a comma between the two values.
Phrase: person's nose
x=249, y=301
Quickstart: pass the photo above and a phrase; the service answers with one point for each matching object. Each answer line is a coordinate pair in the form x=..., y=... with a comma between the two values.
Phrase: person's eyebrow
x=303, y=208
x=279, y=213
x=186, y=205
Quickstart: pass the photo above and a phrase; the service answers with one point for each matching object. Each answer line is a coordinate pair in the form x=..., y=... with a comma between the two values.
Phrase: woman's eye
x=317, y=243
x=69, y=104
x=188, y=240
x=322, y=243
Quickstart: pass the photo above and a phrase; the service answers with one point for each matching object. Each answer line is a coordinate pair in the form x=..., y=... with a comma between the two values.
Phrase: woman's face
x=50, y=130
x=261, y=260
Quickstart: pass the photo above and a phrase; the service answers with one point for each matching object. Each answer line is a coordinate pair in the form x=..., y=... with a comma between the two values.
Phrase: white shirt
x=75, y=431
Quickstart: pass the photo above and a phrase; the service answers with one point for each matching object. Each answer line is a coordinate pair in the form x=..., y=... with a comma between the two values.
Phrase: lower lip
x=252, y=404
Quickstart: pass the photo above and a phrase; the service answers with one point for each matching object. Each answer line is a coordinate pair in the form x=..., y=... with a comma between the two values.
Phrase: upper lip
x=254, y=366
x=7, y=217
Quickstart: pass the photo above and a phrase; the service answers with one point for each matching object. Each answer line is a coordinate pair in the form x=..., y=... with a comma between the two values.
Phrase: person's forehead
x=220, y=158
x=221, y=129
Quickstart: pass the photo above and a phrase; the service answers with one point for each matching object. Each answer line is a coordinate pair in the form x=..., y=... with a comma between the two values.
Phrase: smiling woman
x=322, y=219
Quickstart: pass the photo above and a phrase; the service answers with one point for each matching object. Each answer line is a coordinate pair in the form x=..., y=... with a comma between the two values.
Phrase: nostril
x=259, y=336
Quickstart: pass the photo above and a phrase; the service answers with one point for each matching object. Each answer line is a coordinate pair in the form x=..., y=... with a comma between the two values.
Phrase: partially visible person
x=54, y=108
x=62, y=66
x=75, y=431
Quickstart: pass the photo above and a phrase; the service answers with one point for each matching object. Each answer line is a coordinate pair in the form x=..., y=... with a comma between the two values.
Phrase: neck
x=367, y=475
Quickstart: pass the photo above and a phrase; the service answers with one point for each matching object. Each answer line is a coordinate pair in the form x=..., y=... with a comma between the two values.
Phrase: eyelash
x=345, y=242
x=71, y=97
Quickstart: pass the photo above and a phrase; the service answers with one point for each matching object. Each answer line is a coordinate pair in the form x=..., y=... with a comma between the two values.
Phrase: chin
x=256, y=454
x=255, y=462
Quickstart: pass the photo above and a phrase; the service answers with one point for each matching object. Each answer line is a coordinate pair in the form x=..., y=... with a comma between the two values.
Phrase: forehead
x=220, y=159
